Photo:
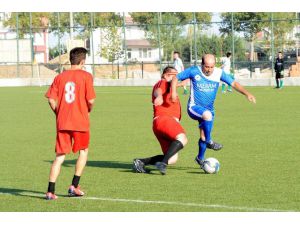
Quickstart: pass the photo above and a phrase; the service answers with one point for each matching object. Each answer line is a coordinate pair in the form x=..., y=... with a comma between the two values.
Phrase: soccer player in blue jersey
x=205, y=81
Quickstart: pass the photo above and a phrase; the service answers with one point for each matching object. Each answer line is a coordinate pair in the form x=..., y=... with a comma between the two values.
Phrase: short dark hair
x=176, y=52
x=77, y=55
x=280, y=52
x=228, y=54
x=168, y=68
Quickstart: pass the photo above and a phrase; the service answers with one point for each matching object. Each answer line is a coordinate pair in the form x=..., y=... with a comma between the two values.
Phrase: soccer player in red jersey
x=71, y=97
x=166, y=126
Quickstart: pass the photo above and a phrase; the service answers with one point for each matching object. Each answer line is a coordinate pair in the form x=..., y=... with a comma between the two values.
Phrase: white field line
x=200, y=205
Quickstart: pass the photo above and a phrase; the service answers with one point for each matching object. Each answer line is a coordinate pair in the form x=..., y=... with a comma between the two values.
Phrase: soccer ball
x=211, y=165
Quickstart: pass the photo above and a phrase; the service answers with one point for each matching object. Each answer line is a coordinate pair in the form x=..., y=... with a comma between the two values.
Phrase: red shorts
x=75, y=140
x=166, y=129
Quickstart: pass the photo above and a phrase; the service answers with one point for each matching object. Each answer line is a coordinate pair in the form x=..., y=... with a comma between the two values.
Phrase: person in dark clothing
x=279, y=67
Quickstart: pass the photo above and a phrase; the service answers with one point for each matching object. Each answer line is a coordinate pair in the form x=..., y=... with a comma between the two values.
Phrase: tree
x=112, y=48
x=171, y=28
x=217, y=45
x=283, y=24
x=250, y=23
x=24, y=22
x=239, y=47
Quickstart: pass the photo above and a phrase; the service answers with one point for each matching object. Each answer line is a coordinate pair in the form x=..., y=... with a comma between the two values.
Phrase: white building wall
x=9, y=51
x=134, y=32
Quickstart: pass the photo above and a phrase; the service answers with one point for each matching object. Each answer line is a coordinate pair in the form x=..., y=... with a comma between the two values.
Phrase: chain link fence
x=140, y=45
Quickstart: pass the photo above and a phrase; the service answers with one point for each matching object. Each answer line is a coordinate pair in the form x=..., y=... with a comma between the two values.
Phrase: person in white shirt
x=178, y=65
x=226, y=67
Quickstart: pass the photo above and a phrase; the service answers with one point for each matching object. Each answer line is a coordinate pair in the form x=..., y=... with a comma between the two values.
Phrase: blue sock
x=207, y=126
x=202, y=149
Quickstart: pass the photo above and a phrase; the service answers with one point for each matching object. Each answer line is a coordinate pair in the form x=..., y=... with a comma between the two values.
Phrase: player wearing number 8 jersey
x=71, y=97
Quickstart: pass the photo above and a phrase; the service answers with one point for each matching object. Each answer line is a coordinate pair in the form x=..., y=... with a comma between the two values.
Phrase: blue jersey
x=204, y=88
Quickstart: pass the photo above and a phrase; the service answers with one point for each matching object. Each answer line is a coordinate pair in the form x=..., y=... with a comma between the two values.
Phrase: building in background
x=23, y=50
x=138, y=48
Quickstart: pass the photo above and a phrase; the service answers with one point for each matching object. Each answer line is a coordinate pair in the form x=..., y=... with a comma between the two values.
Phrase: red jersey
x=72, y=89
x=168, y=108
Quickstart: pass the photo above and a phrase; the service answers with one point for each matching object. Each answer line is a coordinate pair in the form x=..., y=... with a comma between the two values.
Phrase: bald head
x=208, y=64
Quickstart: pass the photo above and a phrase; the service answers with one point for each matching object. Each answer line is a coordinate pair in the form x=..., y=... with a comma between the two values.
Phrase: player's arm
x=243, y=91
x=179, y=77
x=90, y=94
x=174, y=85
x=90, y=104
x=158, y=94
x=52, y=95
x=53, y=104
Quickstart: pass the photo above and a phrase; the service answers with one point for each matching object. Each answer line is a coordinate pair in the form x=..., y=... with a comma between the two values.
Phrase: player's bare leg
x=56, y=166
x=173, y=159
x=54, y=172
x=74, y=189
x=81, y=162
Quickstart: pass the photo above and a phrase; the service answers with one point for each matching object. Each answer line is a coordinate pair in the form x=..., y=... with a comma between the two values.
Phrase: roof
x=138, y=43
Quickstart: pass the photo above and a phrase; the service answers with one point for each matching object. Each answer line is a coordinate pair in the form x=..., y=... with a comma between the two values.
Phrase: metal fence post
x=18, y=54
x=118, y=69
x=232, y=39
x=142, y=69
x=272, y=43
x=158, y=34
x=59, y=47
x=31, y=43
x=195, y=39
x=92, y=43
x=250, y=65
x=124, y=44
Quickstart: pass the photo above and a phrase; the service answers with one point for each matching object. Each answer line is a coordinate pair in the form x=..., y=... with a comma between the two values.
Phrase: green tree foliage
x=56, y=51
x=217, y=45
x=170, y=33
x=60, y=21
x=111, y=49
x=24, y=22
x=284, y=23
x=239, y=47
x=249, y=23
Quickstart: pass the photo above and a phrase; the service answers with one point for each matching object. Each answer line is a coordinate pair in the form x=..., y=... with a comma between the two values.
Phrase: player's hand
x=158, y=101
x=251, y=98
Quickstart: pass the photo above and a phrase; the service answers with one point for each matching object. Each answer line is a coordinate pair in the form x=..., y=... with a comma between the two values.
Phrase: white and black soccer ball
x=211, y=165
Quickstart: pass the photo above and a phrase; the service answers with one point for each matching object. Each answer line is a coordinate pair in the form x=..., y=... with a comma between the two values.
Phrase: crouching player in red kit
x=71, y=97
x=166, y=126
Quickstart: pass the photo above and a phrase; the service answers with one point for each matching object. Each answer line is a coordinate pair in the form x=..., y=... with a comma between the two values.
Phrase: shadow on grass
x=198, y=172
x=22, y=192
x=125, y=166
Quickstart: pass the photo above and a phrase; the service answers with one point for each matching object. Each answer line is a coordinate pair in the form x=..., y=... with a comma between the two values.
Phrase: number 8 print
x=70, y=92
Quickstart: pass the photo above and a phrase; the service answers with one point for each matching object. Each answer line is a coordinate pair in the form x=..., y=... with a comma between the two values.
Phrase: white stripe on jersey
x=215, y=76
x=195, y=113
x=192, y=102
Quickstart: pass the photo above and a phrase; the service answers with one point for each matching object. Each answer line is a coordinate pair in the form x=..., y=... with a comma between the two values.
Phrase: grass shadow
x=22, y=192
x=100, y=164
x=124, y=166
x=197, y=172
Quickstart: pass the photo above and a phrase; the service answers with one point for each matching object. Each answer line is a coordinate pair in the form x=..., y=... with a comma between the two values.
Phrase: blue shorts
x=196, y=112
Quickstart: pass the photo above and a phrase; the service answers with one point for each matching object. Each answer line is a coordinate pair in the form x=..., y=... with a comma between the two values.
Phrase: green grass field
x=259, y=161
